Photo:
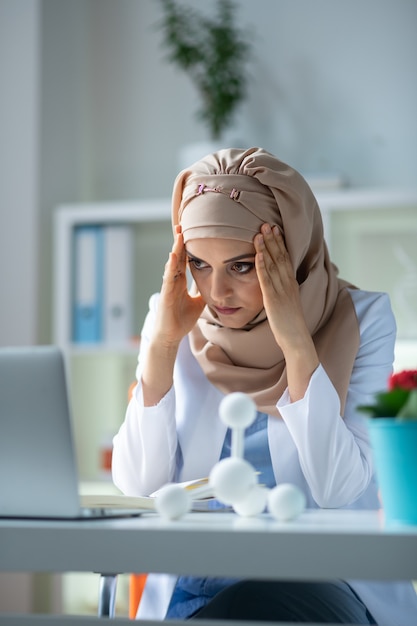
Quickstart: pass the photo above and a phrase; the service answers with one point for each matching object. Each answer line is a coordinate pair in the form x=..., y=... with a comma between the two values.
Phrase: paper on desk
x=117, y=501
x=200, y=490
x=202, y=495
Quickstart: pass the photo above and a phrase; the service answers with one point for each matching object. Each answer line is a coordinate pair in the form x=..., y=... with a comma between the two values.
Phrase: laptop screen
x=38, y=476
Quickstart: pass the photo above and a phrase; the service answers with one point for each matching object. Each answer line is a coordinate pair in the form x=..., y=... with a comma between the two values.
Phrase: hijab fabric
x=230, y=194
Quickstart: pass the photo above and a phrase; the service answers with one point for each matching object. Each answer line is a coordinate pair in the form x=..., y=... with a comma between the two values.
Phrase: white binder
x=118, y=282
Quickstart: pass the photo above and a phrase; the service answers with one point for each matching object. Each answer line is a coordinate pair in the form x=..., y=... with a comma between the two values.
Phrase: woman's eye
x=243, y=268
x=197, y=264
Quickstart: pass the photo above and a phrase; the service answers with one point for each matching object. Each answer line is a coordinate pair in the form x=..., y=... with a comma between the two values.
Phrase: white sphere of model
x=237, y=410
x=172, y=501
x=286, y=502
x=253, y=502
x=231, y=478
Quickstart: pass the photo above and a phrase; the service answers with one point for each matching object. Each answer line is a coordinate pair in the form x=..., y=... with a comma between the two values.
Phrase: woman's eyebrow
x=240, y=257
x=193, y=258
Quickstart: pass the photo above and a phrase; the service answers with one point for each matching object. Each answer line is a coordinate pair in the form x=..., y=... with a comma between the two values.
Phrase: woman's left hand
x=282, y=302
x=280, y=289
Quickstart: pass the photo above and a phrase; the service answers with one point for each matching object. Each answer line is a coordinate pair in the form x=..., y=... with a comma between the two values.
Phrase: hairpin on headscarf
x=234, y=194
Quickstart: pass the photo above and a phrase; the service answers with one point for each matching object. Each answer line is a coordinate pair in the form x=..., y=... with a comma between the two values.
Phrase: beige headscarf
x=229, y=194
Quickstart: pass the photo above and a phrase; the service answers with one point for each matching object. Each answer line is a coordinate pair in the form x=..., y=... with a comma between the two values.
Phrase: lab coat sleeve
x=334, y=452
x=145, y=448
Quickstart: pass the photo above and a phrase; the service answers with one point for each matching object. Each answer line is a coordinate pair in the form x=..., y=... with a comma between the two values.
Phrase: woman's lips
x=226, y=310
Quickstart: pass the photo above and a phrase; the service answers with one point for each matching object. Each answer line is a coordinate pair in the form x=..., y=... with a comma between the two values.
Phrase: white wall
x=96, y=113
x=332, y=86
x=19, y=169
x=64, y=119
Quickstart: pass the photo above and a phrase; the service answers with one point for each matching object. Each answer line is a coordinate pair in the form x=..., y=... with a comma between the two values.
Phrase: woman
x=269, y=316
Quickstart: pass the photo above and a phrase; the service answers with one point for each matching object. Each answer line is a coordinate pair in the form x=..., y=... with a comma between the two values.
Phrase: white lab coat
x=328, y=457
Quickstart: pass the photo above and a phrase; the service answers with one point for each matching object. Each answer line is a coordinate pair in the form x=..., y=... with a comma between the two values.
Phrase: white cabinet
x=149, y=222
x=372, y=237
x=100, y=372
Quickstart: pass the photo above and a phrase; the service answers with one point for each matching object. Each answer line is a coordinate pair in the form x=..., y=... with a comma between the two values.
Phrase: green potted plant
x=213, y=52
x=400, y=400
x=392, y=426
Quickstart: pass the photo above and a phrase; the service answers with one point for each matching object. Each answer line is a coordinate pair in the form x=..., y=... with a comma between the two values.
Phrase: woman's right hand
x=178, y=311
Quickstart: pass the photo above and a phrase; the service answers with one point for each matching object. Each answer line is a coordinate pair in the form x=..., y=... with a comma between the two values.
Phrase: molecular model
x=233, y=480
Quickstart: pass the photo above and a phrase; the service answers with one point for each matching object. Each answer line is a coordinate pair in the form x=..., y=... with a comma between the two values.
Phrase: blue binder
x=87, y=284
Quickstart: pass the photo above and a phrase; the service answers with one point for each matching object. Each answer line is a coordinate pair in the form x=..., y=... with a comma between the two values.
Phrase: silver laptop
x=38, y=473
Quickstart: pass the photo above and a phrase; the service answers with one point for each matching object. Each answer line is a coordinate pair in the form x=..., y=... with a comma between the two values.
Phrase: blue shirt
x=191, y=593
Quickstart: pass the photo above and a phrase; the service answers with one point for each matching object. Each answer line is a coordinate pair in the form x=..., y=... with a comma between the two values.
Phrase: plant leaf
x=409, y=409
x=387, y=403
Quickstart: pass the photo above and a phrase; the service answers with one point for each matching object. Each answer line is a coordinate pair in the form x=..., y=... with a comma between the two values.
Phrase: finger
x=277, y=258
x=274, y=242
x=275, y=278
x=178, y=249
x=274, y=253
x=170, y=267
x=264, y=276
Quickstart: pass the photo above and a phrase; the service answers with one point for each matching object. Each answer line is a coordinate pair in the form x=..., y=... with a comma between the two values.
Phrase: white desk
x=321, y=544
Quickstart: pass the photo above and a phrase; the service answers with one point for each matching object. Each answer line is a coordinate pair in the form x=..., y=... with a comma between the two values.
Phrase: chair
x=107, y=594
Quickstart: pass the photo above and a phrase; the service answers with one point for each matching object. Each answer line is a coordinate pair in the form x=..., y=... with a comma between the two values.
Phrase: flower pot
x=394, y=444
x=191, y=152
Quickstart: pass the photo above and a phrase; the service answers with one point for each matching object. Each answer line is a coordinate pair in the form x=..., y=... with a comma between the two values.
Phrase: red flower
x=407, y=380
x=399, y=401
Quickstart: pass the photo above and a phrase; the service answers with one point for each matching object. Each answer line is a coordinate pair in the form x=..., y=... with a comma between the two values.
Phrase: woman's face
x=225, y=274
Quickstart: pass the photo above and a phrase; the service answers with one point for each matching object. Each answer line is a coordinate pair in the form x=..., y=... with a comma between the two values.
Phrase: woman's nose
x=220, y=285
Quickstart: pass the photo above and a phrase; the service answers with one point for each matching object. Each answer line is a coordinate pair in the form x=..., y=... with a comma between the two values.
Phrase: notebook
x=38, y=472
